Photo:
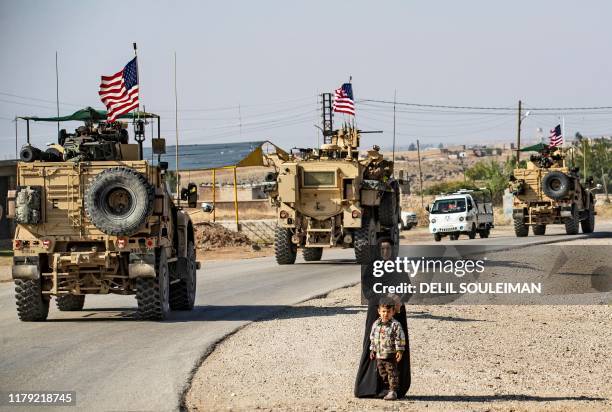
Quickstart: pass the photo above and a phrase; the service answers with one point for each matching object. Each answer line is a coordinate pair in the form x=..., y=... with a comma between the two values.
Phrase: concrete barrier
x=258, y=230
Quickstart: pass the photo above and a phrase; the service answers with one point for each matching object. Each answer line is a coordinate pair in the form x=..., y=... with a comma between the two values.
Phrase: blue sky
x=273, y=58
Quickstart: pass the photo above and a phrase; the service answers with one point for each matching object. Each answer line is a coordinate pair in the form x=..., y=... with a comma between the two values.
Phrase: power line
x=37, y=99
x=442, y=106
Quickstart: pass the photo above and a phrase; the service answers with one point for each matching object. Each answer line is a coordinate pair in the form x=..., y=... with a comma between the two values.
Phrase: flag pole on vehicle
x=120, y=94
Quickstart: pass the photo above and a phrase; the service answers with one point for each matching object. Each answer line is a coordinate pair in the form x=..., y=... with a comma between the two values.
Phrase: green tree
x=598, y=156
x=448, y=187
x=491, y=174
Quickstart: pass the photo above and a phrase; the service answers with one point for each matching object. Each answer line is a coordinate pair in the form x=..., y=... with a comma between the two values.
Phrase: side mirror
x=207, y=207
x=163, y=165
x=192, y=195
x=470, y=207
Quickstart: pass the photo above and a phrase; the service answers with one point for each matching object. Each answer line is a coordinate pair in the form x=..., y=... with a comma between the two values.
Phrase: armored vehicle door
x=288, y=183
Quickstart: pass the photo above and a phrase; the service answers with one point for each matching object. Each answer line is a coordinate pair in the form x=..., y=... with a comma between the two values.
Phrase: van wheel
x=437, y=237
x=484, y=233
x=472, y=233
x=539, y=230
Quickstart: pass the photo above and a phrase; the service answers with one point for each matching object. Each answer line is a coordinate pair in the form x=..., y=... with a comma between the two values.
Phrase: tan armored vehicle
x=93, y=217
x=548, y=192
x=328, y=197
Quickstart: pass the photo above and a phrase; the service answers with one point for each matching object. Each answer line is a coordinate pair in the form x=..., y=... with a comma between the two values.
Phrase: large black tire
x=32, y=306
x=284, y=249
x=472, y=233
x=387, y=211
x=70, y=303
x=572, y=223
x=365, y=241
x=119, y=200
x=183, y=291
x=152, y=294
x=312, y=254
x=484, y=233
x=556, y=185
x=588, y=224
x=539, y=230
x=437, y=237
x=520, y=228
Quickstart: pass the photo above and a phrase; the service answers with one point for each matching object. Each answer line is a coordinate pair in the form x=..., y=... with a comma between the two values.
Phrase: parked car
x=408, y=220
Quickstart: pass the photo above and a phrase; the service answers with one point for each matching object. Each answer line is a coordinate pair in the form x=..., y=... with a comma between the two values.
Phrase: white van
x=467, y=211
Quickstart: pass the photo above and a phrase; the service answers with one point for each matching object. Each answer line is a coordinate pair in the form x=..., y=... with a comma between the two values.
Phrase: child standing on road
x=387, y=347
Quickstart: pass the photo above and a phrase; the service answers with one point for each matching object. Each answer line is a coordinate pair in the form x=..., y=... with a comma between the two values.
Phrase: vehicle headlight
x=433, y=220
x=461, y=218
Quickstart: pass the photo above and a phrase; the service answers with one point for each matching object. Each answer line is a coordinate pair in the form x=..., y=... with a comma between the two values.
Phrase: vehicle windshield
x=448, y=206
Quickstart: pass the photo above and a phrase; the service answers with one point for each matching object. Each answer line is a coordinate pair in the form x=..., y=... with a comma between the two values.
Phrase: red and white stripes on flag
x=343, y=100
x=119, y=92
x=556, y=138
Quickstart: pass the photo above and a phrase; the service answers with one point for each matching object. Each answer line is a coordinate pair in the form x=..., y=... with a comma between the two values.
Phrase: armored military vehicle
x=329, y=197
x=548, y=192
x=93, y=217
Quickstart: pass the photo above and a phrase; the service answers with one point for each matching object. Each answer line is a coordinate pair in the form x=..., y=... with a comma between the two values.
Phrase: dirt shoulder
x=463, y=358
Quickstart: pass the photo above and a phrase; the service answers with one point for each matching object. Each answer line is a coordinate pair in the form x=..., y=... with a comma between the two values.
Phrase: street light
x=521, y=117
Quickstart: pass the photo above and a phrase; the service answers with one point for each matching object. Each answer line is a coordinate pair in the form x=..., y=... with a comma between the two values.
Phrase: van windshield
x=448, y=206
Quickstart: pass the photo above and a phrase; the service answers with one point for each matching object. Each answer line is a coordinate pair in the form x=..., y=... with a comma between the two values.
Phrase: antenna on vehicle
x=178, y=193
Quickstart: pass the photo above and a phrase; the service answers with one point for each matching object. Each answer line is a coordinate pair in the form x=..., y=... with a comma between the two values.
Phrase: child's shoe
x=391, y=396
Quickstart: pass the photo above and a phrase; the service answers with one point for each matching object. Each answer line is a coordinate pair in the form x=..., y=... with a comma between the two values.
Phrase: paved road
x=505, y=236
x=114, y=362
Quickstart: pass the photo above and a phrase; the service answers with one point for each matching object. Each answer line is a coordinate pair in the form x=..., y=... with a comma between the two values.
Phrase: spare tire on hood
x=556, y=185
x=119, y=200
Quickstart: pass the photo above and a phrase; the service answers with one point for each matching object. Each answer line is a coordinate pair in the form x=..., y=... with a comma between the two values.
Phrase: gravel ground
x=483, y=358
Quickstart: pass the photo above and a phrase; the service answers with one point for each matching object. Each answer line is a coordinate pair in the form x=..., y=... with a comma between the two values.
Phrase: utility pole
x=178, y=174
x=393, y=156
x=16, y=142
x=57, y=91
x=605, y=185
x=584, y=161
x=420, y=173
x=518, y=136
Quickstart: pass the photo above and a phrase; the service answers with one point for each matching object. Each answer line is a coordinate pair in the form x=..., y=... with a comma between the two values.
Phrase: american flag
x=119, y=92
x=343, y=100
x=556, y=139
